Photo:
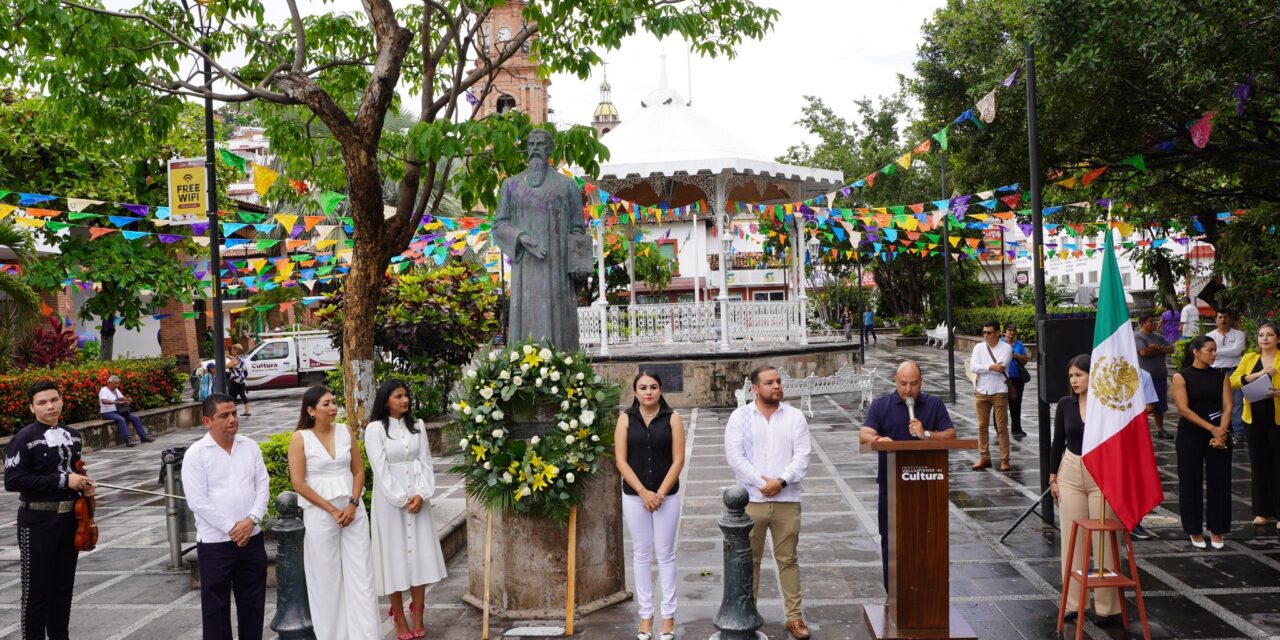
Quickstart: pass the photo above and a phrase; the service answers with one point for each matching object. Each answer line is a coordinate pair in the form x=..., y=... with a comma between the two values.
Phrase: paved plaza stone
x=1004, y=590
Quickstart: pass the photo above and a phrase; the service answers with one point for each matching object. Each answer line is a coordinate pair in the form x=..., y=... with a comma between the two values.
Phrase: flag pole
x=1102, y=499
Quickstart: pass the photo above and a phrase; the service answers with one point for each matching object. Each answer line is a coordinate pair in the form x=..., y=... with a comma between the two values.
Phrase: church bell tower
x=515, y=85
x=606, y=117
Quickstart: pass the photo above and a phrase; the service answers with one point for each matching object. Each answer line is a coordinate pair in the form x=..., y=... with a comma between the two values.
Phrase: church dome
x=606, y=110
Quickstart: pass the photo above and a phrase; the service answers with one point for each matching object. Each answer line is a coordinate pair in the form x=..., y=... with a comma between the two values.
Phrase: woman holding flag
x=1075, y=491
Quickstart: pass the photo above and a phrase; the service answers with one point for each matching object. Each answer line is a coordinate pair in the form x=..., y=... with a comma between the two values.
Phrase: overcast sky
x=841, y=50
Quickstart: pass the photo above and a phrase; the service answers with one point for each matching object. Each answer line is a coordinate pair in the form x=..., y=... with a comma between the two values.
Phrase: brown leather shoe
x=797, y=629
x=982, y=464
x=1005, y=466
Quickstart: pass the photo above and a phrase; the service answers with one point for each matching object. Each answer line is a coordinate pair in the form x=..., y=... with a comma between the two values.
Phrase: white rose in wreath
x=528, y=349
x=506, y=375
x=555, y=375
x=466, y=411
x=542, y=372
x=555, y=390
x=568, y=360
x=569, y=439
x=564, y=406
x=545, y=354
x=595, y=438
x=486, y=393
x=564, y=426
x=580, y=376
x=470, y=373
x=524, y=367
x=537, y=382
x=574, y=423
x=517, y=381
x=488, y=465
x=535, y=440
x=506, y=477
x=493, y=356
x=514, y=356
x=479, y=419
x=462, y=444
x=497, y=414
x=497, y=433
x=568, y=477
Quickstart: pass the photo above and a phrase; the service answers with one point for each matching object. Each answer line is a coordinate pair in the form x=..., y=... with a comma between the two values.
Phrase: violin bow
x=104, y=485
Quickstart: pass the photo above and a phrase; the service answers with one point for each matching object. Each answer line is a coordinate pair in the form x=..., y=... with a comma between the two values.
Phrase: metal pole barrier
x=293, y=610
x=1037, y=261
x=172, y=511
x=738, y=618
x=1031, y=509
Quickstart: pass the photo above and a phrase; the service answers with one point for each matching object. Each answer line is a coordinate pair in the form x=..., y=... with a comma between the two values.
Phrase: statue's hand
x=533, y=246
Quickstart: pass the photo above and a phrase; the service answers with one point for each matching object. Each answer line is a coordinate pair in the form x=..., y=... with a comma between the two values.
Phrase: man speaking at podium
x=907, y=413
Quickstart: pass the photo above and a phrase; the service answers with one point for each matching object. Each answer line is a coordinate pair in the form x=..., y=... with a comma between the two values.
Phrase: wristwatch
x=353, y=502
x=784, y=483
x=255, y=519
x=928, y=434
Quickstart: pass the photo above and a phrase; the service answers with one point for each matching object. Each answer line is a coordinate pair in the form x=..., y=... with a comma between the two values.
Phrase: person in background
x=1202, y=395
x=1170, y=325
x=39, y=465
x=1153, y=352
x=1149, y=398
x=1260, y=420
x=206, y=382
x=990, y=361
x=767, y=446
x=888, y=417
x=237, y=378
x=1231, y=342
x=1019, y=376
x=1189, y=319
x=328, y=473
x=1075, y=491
x=404, y=481
x=226, y=484
x=846, y=318
x=115, y=406
x=869, y=325
x=648, y=444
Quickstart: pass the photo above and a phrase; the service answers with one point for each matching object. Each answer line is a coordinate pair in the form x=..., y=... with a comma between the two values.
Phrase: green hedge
x=275, y=453
x=429, y=393
x=151, y=382
x=969, y=321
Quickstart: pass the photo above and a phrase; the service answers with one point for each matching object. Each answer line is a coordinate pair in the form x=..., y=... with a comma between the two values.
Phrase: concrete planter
x=529, y=558
x=899, y=340
x=965, y=344
x=101, y=434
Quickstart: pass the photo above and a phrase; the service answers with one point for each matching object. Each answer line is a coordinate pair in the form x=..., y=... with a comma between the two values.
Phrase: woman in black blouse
x=1077, y=495
x=1202, y=395
x=649, y=451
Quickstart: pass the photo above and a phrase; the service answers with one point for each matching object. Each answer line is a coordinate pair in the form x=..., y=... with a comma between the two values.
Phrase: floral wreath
x=543, y=476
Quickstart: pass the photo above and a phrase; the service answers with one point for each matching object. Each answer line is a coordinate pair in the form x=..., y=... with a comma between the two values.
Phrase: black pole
x=1004, y=283
x=215, y=261
x=946, y=271
x=1037, y=246
x=857, y=317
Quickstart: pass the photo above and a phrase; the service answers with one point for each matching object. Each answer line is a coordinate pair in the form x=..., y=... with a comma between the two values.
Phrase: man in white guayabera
x=906, y=413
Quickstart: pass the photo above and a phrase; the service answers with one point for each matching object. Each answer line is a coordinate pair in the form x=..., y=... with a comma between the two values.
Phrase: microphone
x=911, y=408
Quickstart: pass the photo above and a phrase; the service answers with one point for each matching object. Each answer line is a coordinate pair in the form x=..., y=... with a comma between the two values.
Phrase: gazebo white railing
x=668, y=323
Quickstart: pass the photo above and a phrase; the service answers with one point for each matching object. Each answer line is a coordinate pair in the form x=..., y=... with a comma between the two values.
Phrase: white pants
x=339, y=569
x=652, y=532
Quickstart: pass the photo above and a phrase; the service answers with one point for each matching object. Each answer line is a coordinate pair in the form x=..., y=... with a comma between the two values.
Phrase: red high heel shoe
x=393, y=614
x=416, y=633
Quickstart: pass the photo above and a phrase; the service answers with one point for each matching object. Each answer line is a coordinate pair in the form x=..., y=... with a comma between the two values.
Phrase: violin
x=86, y=528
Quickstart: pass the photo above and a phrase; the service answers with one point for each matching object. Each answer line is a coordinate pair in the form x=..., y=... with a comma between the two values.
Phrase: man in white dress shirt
x=227, y=487
x=990, y=360
x=1231, y=343
x=767, y=445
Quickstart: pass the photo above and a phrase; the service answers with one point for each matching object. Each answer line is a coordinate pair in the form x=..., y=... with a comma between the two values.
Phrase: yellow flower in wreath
x=550, y=472
x=479, y=450
x=535, y=461
x=539, y=483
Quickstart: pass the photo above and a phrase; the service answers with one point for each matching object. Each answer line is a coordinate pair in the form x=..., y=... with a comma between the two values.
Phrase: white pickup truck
x=289, y=359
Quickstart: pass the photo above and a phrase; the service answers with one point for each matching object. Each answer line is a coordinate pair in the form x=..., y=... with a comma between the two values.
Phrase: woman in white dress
x=326, y=470
x=406, y=551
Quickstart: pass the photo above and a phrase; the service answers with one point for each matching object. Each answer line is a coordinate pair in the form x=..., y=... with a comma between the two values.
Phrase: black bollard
x=737, y=618
x=293, y=611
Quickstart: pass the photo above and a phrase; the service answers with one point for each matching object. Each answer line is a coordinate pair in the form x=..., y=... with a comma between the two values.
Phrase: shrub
x=430, y=393
x=969, y=321
x=911, y=331
x=51, y=344
x=275, y=454
x=151, y=382
x=90, y=351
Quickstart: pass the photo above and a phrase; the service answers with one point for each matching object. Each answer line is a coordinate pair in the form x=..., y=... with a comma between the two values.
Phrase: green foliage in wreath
x=545, y=475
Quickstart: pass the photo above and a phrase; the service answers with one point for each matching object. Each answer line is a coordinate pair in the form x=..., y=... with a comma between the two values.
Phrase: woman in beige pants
x=1077, y=495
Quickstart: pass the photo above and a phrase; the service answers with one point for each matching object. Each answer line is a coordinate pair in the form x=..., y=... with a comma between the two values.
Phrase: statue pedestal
x=528, y=572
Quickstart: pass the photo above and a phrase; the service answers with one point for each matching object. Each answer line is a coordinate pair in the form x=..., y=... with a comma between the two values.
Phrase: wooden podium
x=919, y=603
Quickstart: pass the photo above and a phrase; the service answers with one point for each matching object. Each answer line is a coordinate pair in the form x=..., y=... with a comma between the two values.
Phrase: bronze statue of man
x=539, y=225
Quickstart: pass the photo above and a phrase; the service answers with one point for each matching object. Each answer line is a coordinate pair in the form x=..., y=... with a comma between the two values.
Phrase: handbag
x=1013, y=389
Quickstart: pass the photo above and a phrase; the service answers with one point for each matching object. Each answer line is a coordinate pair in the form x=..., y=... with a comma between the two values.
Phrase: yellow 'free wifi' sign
x=188, y=189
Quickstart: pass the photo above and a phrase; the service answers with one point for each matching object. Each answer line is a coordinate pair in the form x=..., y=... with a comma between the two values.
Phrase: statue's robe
x=543, y=303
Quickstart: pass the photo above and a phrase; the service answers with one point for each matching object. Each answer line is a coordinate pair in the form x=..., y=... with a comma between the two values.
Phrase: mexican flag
x=1117, y=443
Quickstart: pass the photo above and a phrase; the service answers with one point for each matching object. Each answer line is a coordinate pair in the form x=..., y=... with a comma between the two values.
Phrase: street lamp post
x=602, y=303
x=726, y=244
x=215, y=260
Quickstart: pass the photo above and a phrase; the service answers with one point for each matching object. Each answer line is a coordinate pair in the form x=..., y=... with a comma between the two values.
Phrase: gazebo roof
x=667, y=137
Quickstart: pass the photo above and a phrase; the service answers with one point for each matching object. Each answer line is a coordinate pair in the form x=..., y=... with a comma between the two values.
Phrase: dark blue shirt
x=888, y=416
x=1019, y=349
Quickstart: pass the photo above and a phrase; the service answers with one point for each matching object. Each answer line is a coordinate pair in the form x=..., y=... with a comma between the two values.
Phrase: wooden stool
x=1109, y=579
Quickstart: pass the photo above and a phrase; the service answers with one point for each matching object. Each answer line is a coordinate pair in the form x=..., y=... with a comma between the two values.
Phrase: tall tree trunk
x=106, y=345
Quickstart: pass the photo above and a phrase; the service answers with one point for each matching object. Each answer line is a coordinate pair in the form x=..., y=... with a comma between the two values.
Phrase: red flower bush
x=151, y=382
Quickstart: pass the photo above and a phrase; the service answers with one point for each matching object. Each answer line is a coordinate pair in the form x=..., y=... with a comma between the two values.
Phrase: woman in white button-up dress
x=406, y=551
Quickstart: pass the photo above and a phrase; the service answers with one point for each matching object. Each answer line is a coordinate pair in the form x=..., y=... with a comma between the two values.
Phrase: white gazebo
x=668, y=154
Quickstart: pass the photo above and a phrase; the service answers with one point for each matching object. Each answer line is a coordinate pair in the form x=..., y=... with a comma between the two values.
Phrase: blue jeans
x=1237, y=406
x=123, y=422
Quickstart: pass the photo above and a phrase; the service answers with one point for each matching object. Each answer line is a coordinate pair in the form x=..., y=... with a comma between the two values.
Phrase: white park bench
x=846, y=380
x=937, y=336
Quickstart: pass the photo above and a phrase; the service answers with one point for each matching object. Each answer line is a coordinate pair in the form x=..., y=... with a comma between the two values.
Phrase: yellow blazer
x=1247, y=363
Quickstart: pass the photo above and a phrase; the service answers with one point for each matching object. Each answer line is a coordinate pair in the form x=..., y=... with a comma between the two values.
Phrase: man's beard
x=769, y=401
x=538, y=170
